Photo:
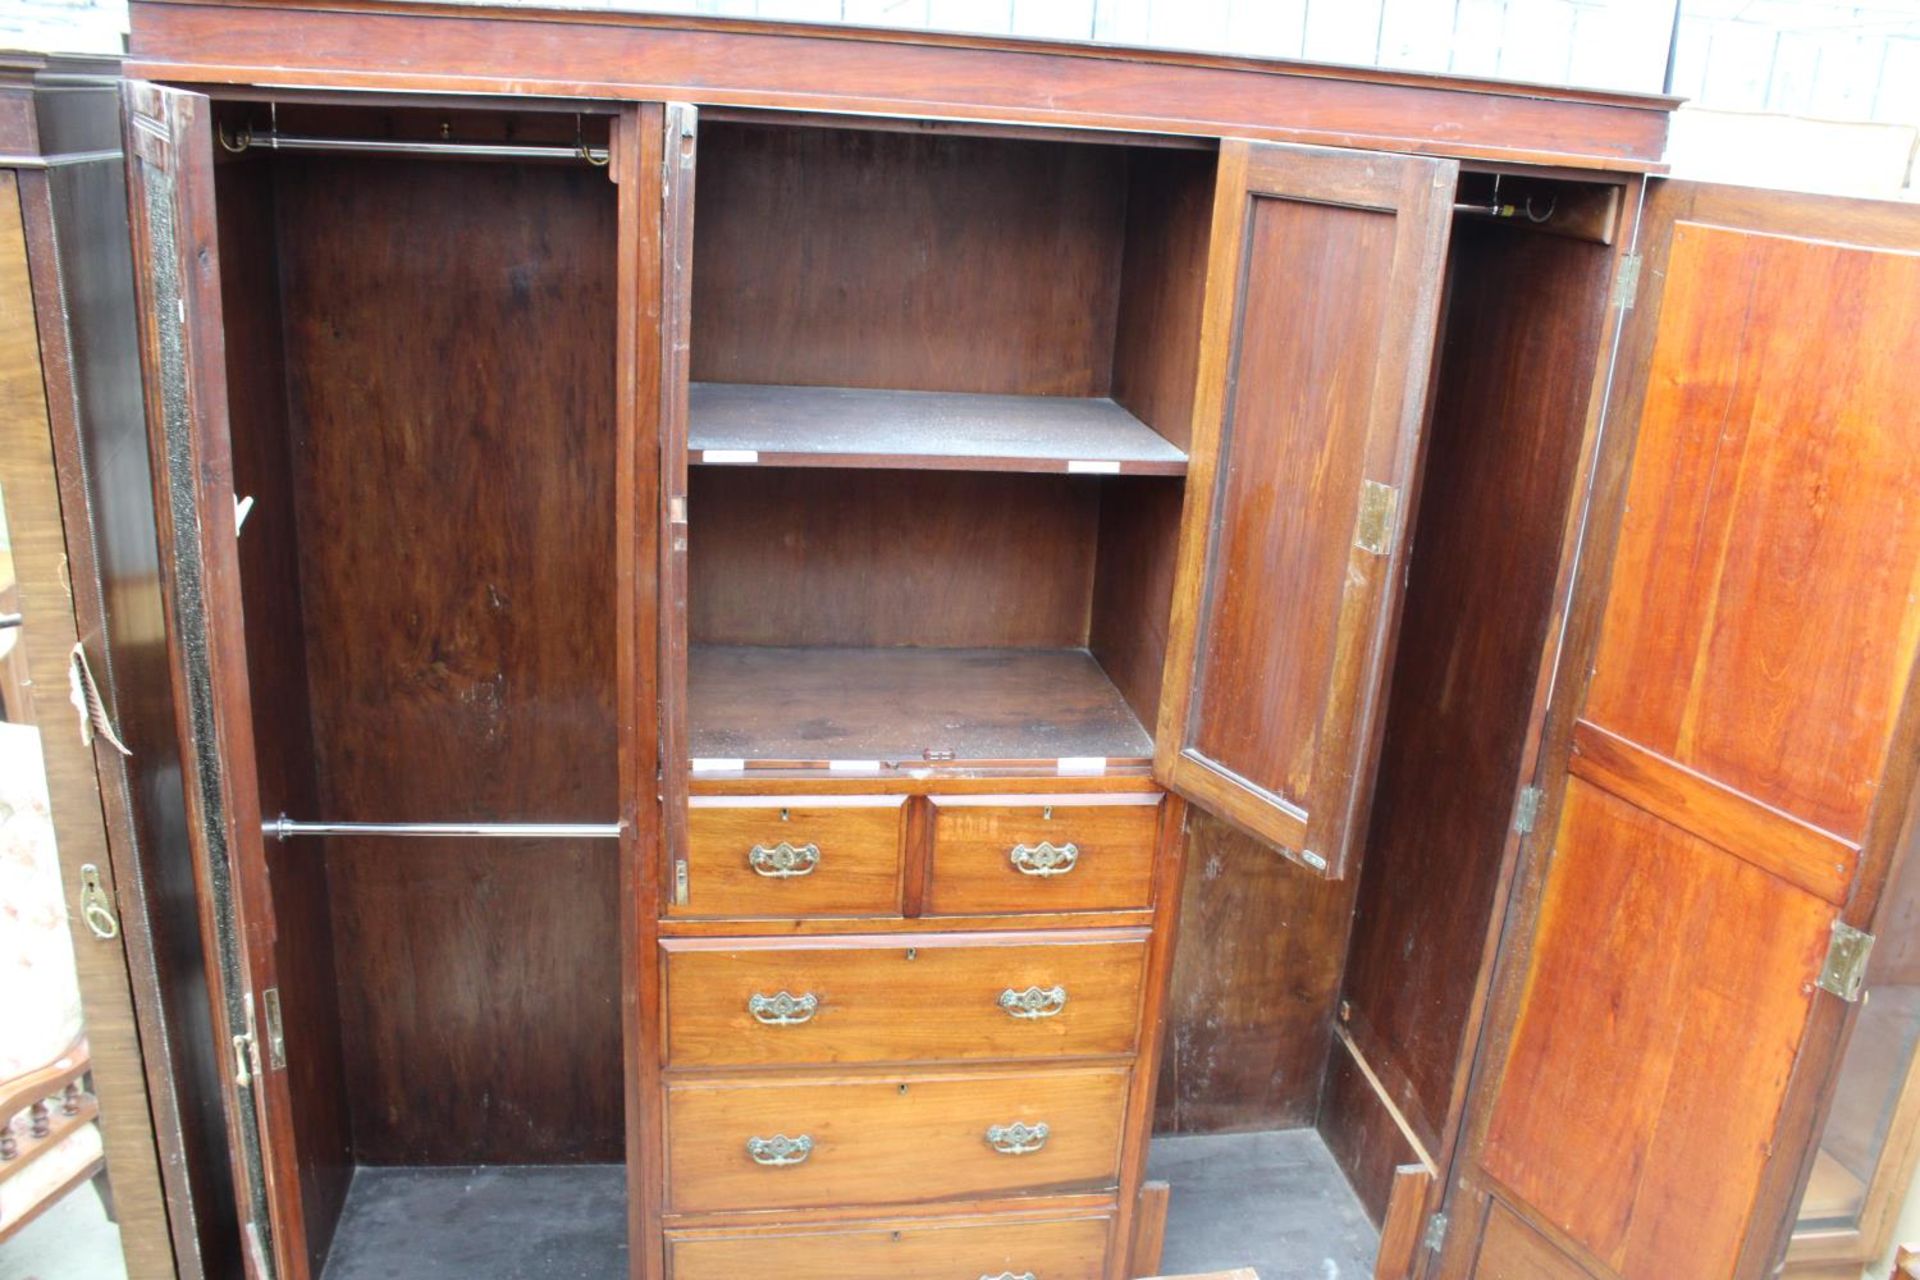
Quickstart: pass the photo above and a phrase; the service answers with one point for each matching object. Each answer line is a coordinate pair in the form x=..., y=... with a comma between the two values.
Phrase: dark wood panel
x=457, y=562
x=1513, y=1250
x=1255, y=975
x=1133, y=586
x=1361, y=1134
x=815, y=705
x=957, y=431
x=792, y=556
x=1515, y=374
x=1163, y=284
x=277, y=682
x=677, y=58
x=835, y=257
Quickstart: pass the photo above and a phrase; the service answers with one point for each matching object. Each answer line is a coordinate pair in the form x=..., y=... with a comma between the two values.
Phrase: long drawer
x=785, y=856
x=1048, y=1249
x=895, y=1139
x=1007, y=854
x=903, y=998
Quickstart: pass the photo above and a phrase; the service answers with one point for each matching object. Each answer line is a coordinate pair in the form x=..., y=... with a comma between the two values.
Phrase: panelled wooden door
x=1737, y=768
x=1323, y=289
x=169, y=150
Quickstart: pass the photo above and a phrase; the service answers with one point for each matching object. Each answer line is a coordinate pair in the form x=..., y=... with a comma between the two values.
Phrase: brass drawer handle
x=1008, y=1275
x=1034, y=1002
x=784, y=1009
x=783, y=861
x=1045, y=858
x=780, y=1151
x=1018, y=1139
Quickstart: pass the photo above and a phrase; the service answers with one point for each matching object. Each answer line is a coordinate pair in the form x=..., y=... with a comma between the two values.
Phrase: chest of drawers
x=908, y=1026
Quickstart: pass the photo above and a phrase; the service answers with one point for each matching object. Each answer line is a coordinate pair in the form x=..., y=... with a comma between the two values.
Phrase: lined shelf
x=786, y=426
x=813, y=705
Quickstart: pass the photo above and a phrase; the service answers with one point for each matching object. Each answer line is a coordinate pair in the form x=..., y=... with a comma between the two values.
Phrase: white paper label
x=717, y=764
x=1083, y=468
x=1083, y=766
x=741, y=456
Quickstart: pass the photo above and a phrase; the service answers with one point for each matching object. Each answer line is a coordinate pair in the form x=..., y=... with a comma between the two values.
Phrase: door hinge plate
x=1527, y=811
x=276, y=1037
x=1373, y=531
x=1845, y=971
x=1626, y=282
x=1436, y=1232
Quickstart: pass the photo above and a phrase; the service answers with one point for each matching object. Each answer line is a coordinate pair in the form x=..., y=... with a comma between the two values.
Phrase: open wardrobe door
x=170, y=182
x=1731, y=757
x=1323, y=287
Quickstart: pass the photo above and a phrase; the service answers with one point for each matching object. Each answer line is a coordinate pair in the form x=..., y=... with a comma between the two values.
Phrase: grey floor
x=72, y=1240
x=1275, y=1202
x=510, y=1223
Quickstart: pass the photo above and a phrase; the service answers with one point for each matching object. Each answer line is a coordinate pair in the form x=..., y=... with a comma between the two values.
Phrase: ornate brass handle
x=784, y=1009
x=1008, y=1275
x=1034, y=1002
x=783, y=861
x=780, y=1151
x=1045, y=858
x=1017, y=1139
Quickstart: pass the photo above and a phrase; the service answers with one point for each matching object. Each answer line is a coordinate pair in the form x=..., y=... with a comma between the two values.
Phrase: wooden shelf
x=773, y=426
x=808, y=706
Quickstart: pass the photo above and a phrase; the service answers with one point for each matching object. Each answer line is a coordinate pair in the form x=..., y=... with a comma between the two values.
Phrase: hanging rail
x=285, y=828
x=274, y=140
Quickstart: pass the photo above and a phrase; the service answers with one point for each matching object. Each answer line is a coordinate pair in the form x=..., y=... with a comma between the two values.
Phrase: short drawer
x=889, y=1140
x=958, y=1249
x=760, y=856
x=996, y=855
x=902, y=998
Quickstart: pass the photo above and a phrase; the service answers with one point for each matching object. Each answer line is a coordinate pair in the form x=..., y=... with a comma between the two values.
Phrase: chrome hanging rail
x=285, y=828
x=273, y=140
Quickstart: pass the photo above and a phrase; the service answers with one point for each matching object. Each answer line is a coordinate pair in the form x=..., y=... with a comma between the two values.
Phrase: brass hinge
x=1373, y=531
x=246, y=1059
x=1527, y=812
x=276, y=1037
x=1845, y=972
x=679, y=882
x=1436, y=1232
x=1626, y=282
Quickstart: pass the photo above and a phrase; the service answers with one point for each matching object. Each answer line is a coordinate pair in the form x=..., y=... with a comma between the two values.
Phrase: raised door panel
x=1322, y=293
x=1742, y=764
x=170, y=184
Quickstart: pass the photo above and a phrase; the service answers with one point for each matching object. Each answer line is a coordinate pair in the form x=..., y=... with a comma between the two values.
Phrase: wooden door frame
x=1895, y=822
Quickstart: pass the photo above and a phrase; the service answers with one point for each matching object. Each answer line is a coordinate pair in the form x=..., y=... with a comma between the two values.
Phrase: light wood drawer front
x=1066, y=1249
x=905, y=998
x=893, y=1139
x=793, y=856
x=996, y=855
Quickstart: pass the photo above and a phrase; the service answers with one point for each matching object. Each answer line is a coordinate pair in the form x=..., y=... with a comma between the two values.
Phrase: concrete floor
x=1275, y=1202
x=70, y=1241
x=473, y=1224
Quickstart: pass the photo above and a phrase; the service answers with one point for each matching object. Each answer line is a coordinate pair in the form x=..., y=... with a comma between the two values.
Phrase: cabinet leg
x=1149, y=1229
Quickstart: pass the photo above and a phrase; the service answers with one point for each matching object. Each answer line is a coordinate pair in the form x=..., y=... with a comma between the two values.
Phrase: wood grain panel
x=804, y=557
x=974, y=837
x=910, y=998
x=1621, y=1052
x=1776, y=842
x=1516, y=367
x=1285, y=483
x=269, y=556
x=893, y=1140
x=1067, y=1249
x=1771, y=500
x=1163, y=282
x=910, y=73
x=856, y=842
x=1133, y=587
x=456, y=533
x=1513, y=1250
x=1255, y=979
x=1361, y=1134
x=840, y=257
